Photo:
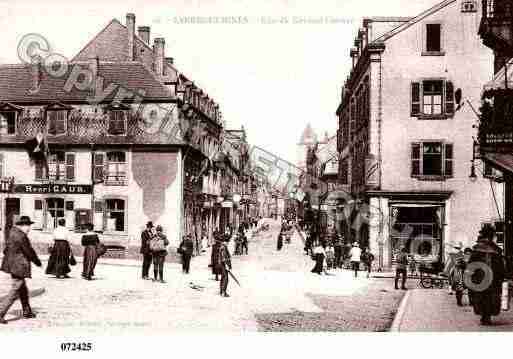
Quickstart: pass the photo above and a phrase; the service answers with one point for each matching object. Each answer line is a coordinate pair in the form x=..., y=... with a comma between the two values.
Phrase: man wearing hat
x=146, y=237
x=223, y=264
x=215, y=254
x=18, y=254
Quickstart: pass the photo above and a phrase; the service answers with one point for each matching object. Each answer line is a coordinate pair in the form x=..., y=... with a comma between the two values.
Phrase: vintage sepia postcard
x=222, y=167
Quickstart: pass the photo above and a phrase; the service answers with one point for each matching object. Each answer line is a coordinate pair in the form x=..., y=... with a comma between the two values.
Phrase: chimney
x=94, y=65
x=170, y=60
x=37, y=73
x=130, y=26
x=158, y=48
x=144, y=34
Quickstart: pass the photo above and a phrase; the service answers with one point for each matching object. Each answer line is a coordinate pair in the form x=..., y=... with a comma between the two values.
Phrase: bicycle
x=430, y=277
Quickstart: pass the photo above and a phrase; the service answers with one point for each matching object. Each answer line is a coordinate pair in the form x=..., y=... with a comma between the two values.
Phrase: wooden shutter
x=449, y=98
x=39, y=170
x=448, y=160
x=98, y=167
x=415, y=99
x=70, y=166
x=98, y=216
x=52, y=122
x=415, y=159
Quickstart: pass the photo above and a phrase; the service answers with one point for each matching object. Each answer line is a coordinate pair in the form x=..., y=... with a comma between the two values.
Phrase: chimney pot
x=130, y=26
x=158, y=47
x=144, y=34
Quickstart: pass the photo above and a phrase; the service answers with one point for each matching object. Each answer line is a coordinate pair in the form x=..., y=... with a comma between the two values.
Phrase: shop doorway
x=419, y=229
x=12, y=212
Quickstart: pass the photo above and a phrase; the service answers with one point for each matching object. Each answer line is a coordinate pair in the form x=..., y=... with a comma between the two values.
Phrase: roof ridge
x=414, y=20
x=95, y=37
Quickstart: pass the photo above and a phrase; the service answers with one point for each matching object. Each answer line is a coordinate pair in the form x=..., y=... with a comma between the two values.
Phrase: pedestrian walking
x=279, y=245
x=61, y=256
x=318, y=256
x=223, y=264
x=487, y=276
x=355, y=254
x=458, y=285
x=146, y=237
x=330, y=257
x=367, y=259
x=244, y=244
x=401, y=268
x=185, y=250
x=18, y=255
x=90, y=241
x=338, y=246
x=158, y=246
x=214, y=256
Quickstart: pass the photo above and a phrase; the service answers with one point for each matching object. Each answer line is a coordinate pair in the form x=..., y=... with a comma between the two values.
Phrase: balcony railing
x=496, y=27
x=497, y=9
x=496, y=125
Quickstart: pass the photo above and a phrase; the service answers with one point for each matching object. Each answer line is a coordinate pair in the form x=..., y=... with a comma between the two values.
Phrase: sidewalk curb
x=396, y=324
x=32, y=293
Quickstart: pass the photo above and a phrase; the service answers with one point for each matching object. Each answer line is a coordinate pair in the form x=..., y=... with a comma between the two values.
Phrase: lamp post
x=473, y=176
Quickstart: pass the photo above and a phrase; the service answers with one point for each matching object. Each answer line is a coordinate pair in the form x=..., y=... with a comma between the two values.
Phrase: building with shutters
x=118, y=139
x=406, y=132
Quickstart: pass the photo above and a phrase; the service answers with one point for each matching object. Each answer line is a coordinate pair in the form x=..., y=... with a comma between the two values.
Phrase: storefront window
x=115, y=215
x=417, y=228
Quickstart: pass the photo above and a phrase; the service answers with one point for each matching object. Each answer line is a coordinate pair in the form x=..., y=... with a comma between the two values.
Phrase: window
x=2, y=165
x=61, y=167
x=114, y=215
x=432, y=159
x=117, y=122
x=56, y=121
x=432, y=99
x=110, y=167
x=433, y=38
x=8, y=122
x=116, y=167
x=54, y=212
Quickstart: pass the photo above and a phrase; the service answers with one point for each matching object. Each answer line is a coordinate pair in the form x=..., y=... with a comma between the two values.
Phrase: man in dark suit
x=146, y=236
x=18, y=254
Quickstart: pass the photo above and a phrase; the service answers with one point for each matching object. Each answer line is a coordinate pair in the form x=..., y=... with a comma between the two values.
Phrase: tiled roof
x=16, y=81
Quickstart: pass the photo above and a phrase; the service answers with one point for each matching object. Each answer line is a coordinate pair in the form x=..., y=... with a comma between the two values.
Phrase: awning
x=503, y=161
x=499, y=80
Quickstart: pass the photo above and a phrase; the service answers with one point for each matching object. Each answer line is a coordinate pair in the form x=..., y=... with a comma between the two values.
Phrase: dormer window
x=8, y=117
x=56, y=121
x=118, y=120
x=57, y=118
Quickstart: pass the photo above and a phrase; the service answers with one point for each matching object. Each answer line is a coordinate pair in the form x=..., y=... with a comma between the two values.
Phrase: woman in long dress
x=89, y=240
x=319, y=255
x=59, y=261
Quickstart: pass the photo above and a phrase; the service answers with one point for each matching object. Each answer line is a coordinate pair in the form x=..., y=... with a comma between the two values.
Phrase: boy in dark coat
x=18, y=254
x=215, y=254
x=186, y=250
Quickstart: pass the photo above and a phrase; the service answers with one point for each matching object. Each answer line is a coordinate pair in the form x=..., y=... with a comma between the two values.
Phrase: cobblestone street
x=278, y=293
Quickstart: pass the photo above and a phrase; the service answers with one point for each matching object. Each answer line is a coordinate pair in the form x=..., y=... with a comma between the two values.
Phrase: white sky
x=272, y=79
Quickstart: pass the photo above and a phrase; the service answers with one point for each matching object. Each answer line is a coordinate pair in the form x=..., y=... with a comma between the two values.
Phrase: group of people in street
x=154, y=250
x=331, y=253
x=61, y=254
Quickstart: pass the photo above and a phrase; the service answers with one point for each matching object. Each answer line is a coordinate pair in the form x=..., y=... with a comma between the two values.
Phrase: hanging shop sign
x=227, y=204
x=54, y=188
x=372, y=171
